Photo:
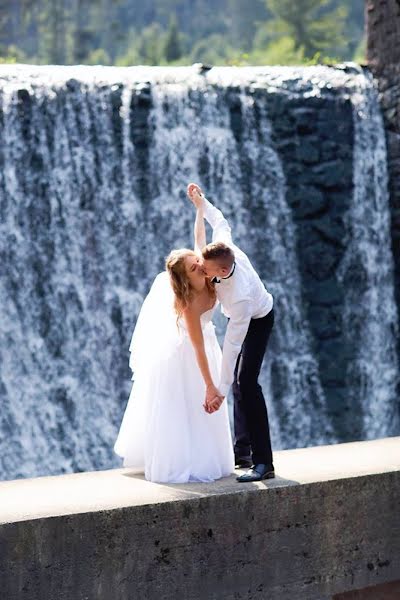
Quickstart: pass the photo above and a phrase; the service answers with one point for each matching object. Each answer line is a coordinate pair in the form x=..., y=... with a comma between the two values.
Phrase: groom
x=249, y=308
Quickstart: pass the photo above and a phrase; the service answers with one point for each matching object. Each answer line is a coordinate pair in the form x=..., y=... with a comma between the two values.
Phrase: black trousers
x=251, y=426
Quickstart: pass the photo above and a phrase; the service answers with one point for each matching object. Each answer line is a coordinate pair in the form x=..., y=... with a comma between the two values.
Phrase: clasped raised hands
x=194, y=191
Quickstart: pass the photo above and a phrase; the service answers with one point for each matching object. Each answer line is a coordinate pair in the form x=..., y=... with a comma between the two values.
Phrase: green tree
x=82, y=33
x=150, y=45
x=12, y=55
x=360, y=52
x=278, y=52
x=130, y=55
x=238, y=32
x=108, y=30
x=98, y=57
x=315, y=25
x=5, y=12
x=241, y=20
x=172, y=47
x=53, y=26
x=214, y=50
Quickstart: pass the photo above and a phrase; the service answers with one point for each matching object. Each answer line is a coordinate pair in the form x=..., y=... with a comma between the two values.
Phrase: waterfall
x=367, y=272
x=94, y=164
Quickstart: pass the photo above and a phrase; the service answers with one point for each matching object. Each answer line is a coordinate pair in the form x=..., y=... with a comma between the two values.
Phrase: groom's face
x=212, y=269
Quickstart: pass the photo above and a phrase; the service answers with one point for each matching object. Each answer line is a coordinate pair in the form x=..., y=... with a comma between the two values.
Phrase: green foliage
x=212, y=49
x=83, y=36
x=52, y=29
x=172, y=46
x=145, y=48
x=360, y=51
x=314, y=25
x=179, y=32
x=151, y=44
x=242, y=19
x=98, y=57
x=12, y=54
x=279, y=52
x=131, y=55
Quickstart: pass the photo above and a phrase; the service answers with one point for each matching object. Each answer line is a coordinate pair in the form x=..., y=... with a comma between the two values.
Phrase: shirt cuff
x=224, y=389
x=208, y=208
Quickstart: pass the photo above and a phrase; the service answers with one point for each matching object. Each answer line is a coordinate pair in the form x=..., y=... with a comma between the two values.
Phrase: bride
x=167, y=430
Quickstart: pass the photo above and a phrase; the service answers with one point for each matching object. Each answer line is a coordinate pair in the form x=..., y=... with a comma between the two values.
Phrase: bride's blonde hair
x=183, y=291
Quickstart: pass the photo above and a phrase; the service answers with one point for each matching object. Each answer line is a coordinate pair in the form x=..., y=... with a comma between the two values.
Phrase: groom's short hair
x=219, y=252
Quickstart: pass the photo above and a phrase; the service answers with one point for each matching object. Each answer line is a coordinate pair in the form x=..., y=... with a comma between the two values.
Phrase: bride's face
x=194, y=269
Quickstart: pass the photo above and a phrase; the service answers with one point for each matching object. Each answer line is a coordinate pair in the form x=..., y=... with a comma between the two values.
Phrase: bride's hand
x=194, y=191
x=211, y=406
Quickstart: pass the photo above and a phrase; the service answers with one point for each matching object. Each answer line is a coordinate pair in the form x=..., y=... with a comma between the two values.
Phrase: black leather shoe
x=257, y=473
x=243, y=463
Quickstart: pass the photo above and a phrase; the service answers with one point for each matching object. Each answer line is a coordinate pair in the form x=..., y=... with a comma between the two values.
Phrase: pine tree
x=150, y=46
x=83, y=30
x=53, y=25
x=242, y=21
x=5, y=12
x=172, y=47
x=314, y=25
x=108, y=30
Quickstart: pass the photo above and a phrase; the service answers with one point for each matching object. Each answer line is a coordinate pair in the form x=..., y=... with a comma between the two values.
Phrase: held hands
x=194, y=191
x=213, y=405
x=213, y=399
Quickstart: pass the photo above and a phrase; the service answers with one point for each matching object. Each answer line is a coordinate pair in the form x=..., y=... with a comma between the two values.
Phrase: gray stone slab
x=117, y=488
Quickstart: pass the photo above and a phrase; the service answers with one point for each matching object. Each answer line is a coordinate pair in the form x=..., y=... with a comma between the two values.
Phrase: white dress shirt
x=243, y=296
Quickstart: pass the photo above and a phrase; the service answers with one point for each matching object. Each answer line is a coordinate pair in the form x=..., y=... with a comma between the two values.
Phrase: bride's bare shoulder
x=193, y=310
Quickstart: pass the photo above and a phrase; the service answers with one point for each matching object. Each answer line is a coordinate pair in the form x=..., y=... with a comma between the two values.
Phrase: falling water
x=367, y=272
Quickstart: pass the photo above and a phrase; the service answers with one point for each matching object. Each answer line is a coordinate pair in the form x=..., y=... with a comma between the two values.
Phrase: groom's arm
x=236, y=330
x=220, y=226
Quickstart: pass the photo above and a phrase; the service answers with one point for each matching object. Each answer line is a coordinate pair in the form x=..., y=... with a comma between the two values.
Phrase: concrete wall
x=321, y=528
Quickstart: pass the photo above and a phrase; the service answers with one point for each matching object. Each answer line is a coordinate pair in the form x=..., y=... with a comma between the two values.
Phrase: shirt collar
x=231, y=271
x=219, y=279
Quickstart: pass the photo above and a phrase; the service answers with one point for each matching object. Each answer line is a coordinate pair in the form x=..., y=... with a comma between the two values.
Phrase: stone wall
x=318, y=168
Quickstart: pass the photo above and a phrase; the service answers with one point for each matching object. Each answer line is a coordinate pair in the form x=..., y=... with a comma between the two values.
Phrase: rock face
x=94, y=164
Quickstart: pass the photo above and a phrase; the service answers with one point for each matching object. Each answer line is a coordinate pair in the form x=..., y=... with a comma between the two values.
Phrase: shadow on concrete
x=225, y=485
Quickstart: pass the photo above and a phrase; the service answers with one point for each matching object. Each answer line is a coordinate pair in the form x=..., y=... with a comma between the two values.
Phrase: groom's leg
x=253, y=350
x=242, y=446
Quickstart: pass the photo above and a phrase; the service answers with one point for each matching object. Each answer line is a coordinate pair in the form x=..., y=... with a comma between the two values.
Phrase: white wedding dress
x=165, y=430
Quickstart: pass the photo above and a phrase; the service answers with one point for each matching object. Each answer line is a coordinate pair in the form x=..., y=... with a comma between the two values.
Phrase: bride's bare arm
x=199, y=230
x=192, y=319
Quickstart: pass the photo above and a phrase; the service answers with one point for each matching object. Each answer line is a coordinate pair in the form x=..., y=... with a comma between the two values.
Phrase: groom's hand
x=209, y=406
x=213, y=399
x=214, y=404
x=211, y=392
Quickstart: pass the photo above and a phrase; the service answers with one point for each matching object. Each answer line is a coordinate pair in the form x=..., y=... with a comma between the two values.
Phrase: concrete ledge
x=328, y=524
